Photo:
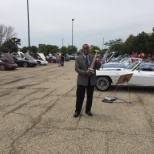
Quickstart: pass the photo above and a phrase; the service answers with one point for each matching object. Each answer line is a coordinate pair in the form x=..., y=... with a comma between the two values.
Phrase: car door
x=143, y=76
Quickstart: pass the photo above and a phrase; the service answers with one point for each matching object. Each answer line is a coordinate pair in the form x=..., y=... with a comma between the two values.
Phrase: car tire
x=25, y=64
x=103, y=83
x=2, y=67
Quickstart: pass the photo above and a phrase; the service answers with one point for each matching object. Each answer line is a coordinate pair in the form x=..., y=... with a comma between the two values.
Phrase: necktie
x=87, y=65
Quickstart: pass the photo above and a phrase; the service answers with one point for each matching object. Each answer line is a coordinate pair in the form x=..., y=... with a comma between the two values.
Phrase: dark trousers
x=62, y=63
x=80, y=94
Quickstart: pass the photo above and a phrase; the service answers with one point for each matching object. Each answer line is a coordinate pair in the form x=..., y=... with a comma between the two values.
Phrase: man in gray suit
x=86, y=80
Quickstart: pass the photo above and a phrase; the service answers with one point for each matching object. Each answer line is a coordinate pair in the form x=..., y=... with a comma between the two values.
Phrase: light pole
x=28, y=24
x=62, y=42
x=72, y=33
x=0, y=39
x=103, y=44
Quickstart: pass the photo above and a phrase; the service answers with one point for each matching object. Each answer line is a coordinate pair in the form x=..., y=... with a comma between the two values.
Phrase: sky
x=95, y=21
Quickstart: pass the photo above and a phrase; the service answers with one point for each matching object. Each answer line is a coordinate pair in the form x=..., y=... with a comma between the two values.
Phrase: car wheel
x=38, y=63
x=103, y=83
x=25, y=64
x=2, y=67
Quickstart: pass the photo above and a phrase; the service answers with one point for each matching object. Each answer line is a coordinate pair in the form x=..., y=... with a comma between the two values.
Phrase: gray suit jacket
x=81, y=68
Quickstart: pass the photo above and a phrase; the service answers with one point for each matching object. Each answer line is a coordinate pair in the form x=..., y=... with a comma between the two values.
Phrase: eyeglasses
x=86, y=48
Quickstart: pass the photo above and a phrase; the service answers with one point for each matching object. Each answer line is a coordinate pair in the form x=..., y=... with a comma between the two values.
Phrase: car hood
x=9, y=57
x=27, y=56
x=42, y=56
x=108, y=55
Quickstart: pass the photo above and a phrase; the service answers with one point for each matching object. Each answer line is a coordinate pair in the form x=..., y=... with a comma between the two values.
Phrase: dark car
x=67, y=58
x=2, y=66
x=7, y=62
x=24, y=63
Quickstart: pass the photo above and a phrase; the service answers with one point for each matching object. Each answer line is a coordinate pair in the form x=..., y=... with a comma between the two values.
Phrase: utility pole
x=28, y=24
x=72, y=33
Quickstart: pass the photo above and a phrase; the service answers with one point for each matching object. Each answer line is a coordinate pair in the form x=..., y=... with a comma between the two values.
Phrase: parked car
x=143, y=75
x=67, y=57
x=2, y=67
x=72, y=57
x=23, y=62
x=108, y=56
x=6, y=65
x=54, y=59
x=24, y=59
x=41, y=60
x=119, y=65
x=7, y=62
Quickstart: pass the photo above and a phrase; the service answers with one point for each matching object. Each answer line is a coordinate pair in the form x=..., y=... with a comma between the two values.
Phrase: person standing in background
x=58, y=59
x=50, y=57
x=62, y=59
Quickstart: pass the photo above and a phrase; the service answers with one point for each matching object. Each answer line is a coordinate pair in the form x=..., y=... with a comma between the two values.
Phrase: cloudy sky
x=95, y=21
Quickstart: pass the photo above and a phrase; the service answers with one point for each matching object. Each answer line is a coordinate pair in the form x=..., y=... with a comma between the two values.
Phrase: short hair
x=84, y=45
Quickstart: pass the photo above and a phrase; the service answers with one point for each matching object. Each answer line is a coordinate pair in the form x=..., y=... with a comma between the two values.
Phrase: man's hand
x=89, y=73
x=98, y=60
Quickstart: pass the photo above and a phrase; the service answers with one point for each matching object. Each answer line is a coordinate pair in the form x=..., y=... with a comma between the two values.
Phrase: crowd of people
x=150, y=57
x=139, y=55
x=56, y=58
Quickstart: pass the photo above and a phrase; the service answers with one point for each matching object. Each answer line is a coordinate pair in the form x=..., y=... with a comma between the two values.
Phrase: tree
x=16, y=40
x=42, y=48
x=9, y=46
x=52, y=48
x=115, y=45
x=141, y=43
x=48, y=48
x=6, y=33
x=32, y=49
x=24, y=49
x=151, y=44
x=128, y=44
x=63, y=49
x=71, y=50
x=93, y=48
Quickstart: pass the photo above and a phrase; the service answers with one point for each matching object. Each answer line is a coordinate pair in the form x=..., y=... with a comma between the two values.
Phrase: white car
x=143, y=75
x=41, y=59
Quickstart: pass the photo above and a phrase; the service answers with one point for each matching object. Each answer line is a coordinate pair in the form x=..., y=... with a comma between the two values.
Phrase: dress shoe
x=75, y=115
x=89, y=113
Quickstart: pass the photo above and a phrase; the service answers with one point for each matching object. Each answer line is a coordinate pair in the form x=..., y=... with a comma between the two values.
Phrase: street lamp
x=103, y=44
x=72, y=33
x=28, y=24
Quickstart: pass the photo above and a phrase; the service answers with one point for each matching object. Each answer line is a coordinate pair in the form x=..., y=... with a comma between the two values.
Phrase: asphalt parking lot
x=36, y=116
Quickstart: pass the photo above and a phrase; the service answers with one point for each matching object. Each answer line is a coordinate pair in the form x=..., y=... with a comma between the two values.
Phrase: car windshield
x=131, y=66
x=146, y=67
x=127, y=60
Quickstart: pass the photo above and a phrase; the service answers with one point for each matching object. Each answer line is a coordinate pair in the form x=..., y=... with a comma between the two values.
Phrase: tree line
x=143, y=42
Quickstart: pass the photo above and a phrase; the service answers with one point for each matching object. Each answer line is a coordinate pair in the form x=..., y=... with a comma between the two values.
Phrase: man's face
x=85, y=49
